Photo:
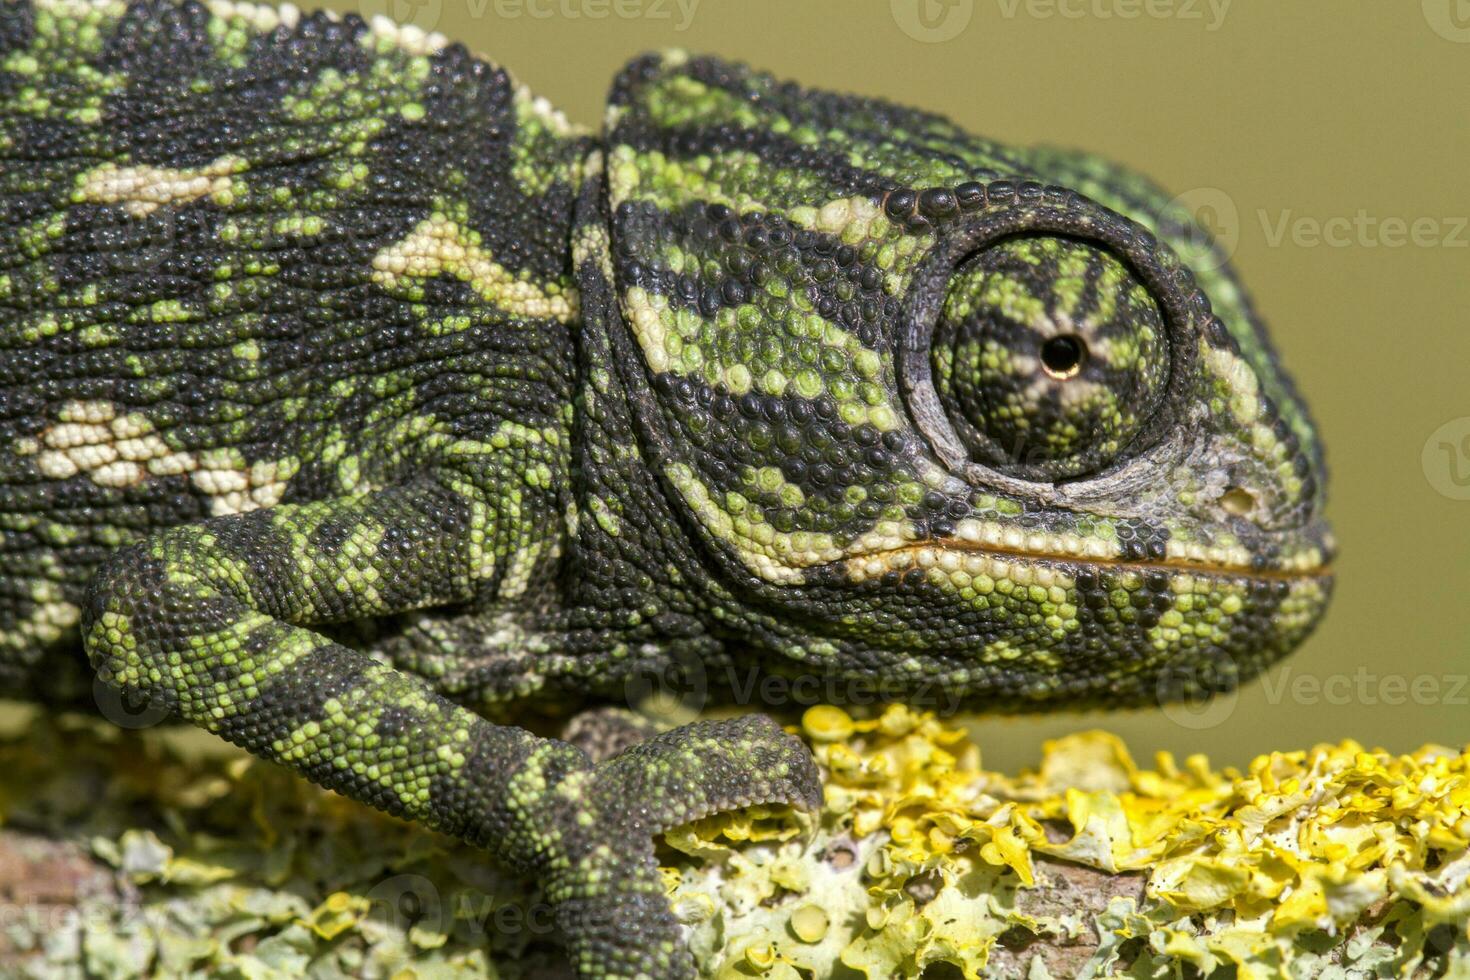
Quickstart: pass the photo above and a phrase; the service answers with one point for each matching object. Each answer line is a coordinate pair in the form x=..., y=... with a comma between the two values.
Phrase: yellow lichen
x=1236, y=865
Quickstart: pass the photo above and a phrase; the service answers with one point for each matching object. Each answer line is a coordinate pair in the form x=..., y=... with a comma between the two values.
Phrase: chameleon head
x=949, y=412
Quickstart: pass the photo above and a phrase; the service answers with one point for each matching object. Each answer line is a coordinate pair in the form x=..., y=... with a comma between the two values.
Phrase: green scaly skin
x=349, y=396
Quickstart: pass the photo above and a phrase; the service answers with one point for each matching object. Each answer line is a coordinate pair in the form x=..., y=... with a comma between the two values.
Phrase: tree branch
x=159, y=852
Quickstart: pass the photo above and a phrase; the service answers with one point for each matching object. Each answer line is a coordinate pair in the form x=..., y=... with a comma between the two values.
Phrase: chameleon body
x=349, y=396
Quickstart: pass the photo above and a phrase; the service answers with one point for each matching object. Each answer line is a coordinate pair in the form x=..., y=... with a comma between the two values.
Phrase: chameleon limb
x=213, y=622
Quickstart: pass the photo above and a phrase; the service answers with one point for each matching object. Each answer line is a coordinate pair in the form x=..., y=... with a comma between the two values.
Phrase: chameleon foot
x=604, y=881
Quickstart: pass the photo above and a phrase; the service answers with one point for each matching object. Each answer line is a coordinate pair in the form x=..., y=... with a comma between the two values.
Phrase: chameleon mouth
x=1037, y=567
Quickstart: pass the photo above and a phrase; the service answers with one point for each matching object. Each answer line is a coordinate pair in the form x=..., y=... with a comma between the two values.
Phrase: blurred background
x=1325, y=141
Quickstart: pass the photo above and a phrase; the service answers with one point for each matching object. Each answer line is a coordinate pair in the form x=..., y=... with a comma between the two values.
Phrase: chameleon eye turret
x=1048, y=358
x=956, y=412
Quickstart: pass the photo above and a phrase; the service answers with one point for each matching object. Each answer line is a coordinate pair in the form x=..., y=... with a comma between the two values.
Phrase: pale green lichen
x=1331, y=862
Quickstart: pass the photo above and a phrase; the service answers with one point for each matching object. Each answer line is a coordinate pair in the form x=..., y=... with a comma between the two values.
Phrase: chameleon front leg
x=212, y=621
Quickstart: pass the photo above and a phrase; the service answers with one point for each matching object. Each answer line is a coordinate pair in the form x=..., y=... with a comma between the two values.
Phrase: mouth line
x=1176, y=566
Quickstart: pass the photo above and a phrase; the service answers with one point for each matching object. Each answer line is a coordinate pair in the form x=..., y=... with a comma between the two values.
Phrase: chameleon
x=354, y=401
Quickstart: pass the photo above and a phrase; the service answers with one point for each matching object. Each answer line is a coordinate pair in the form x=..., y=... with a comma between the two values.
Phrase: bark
x=158, y=853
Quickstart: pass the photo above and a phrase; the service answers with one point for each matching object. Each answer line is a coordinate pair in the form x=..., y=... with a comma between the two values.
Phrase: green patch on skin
x=64, y=37
x=771, y=481
x=653, y=177
x=773, y=555
x=540, y=133
x=606, y=517
x=678, y=100
x=738, y=179
x=230, y=37
x=766, y=347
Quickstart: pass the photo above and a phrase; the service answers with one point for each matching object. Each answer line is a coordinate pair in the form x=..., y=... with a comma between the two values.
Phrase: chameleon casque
x=350, y=396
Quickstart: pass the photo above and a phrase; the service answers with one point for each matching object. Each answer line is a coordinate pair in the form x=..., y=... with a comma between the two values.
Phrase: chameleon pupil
x=1062, y=356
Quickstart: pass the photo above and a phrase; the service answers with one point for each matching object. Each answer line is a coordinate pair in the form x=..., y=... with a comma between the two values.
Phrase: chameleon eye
x=1048, y=357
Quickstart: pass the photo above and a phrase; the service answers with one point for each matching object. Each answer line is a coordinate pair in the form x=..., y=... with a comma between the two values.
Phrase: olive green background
x=1328, y=138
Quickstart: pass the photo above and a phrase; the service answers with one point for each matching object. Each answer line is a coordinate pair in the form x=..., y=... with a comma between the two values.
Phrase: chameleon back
x=247, y=258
